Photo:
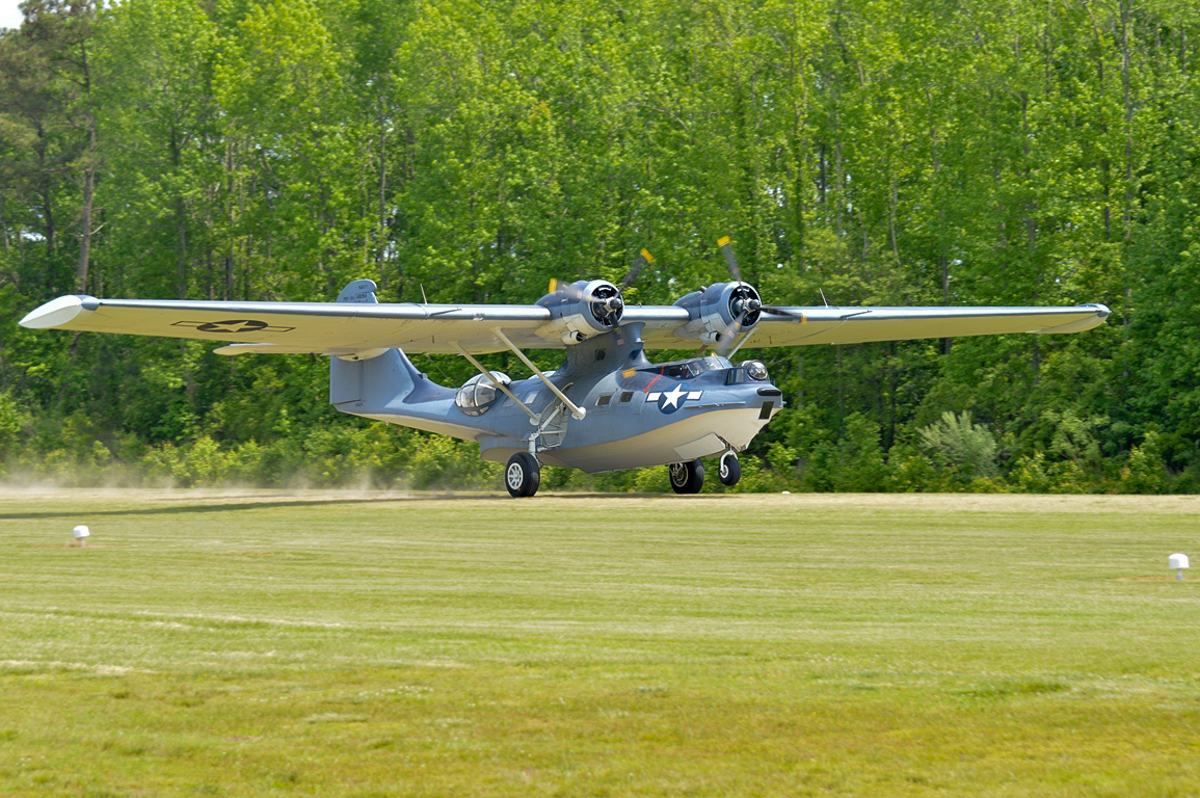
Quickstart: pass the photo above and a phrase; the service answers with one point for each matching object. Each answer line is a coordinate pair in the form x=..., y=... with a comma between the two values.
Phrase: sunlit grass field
x=373, y=645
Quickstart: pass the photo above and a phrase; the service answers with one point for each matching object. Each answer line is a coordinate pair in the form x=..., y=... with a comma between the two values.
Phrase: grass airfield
x=318, y=644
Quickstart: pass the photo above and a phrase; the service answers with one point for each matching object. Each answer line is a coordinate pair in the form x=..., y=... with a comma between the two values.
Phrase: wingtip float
x=58, y=313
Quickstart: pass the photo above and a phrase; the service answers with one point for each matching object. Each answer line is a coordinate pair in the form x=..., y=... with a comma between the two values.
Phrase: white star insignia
x=673, y=396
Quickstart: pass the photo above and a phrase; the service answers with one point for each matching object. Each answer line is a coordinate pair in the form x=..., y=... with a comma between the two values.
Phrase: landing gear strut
x=522, y=475
x=687, y=477
x=730, y=470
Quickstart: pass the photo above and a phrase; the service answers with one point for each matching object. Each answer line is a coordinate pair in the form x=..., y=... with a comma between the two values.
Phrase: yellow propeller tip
x=723, y=241
x=646, y=254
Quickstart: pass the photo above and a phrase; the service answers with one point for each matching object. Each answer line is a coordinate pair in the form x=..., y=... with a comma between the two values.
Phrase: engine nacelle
x=722, y=310
x=581, y=310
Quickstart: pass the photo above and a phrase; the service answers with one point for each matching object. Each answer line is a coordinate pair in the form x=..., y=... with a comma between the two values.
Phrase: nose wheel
x=522, y=475
x=730, y=470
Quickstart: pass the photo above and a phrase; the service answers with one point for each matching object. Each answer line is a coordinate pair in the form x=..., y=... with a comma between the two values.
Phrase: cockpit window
x=680, y=371
x=479, y=393
x=686, y=369
x=746, y=371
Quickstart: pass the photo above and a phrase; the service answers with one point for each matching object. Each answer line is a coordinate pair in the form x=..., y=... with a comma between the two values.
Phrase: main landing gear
x=523, y=475
x=688, y=477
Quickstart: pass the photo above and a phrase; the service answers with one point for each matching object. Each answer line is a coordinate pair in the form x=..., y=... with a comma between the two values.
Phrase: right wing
x=326, y=328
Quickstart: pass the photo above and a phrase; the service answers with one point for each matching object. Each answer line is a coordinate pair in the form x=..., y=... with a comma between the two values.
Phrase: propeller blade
x=729, y=336
x=604, y=300
x=746, y=303
x=644, y=257
x=563, y=287
x=726, y=247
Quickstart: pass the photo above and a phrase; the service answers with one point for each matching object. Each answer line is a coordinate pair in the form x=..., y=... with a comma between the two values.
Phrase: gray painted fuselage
x=637, y=413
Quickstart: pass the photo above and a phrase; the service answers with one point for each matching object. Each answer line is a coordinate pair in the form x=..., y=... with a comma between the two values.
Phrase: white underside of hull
x=702, y=435
x=694, y=435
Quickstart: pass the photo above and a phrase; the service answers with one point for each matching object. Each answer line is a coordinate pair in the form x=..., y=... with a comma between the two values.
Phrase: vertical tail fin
x=359, y=385
x=360, y=291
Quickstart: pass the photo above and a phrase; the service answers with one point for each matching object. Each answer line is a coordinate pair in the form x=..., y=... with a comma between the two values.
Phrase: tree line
x=858, y=152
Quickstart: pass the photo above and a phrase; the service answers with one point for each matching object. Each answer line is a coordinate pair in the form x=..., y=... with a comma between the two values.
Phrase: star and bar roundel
x=670, y=401
x=233, y=326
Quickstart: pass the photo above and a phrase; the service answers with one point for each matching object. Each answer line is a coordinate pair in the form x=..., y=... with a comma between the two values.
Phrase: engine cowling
x=720, y=311
x=581, y=310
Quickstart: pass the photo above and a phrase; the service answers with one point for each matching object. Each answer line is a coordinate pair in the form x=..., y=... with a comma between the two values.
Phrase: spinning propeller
x=604, y=299
x=744, y=303
x=720, y=315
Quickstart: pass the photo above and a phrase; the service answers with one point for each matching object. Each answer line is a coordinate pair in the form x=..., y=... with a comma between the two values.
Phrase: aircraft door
x=552, y=424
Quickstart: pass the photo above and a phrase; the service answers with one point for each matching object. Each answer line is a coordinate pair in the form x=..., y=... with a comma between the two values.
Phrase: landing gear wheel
x=687, y=477
x=730, y=470
x=523, y=475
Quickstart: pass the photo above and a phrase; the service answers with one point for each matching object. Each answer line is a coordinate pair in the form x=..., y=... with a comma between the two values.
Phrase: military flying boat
x=607, y=407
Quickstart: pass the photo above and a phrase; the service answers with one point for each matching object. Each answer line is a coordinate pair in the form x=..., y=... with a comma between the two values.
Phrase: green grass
x=325, y=645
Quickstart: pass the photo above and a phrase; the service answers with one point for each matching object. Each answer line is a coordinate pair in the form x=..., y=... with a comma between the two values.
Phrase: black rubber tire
x=522, y=475
x=730, y=469
x=687, y=477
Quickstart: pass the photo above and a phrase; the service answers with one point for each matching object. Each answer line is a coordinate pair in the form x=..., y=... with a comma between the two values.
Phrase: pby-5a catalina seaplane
x=606, y=408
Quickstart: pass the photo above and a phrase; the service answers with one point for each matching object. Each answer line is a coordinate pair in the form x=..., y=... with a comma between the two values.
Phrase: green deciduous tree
x=910, y=152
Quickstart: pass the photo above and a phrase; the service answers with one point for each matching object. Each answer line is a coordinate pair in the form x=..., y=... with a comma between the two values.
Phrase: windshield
x=686, y=369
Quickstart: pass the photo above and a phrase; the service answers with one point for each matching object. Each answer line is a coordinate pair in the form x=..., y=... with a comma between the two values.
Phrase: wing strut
x=487, y=374
x=745, y=338
x=577, y=412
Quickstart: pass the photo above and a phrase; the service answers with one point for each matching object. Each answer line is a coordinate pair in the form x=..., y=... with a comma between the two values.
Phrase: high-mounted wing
x=799, y=326
x=327, y=328
x=349, y=328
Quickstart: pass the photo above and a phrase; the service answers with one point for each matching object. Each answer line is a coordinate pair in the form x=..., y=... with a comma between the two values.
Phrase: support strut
x=577, y=412
x=487, y=374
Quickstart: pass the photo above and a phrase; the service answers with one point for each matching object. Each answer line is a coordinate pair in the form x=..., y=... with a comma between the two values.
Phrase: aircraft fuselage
x=637, y=413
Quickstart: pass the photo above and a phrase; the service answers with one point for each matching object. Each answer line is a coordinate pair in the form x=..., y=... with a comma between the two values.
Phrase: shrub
x=966, y=449
x=1145, y=471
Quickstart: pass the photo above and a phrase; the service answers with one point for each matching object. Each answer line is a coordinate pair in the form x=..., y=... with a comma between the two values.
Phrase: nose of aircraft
x=770, y=400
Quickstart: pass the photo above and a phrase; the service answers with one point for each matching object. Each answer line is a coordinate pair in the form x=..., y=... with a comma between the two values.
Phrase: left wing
x=830, y=325
x=352, y=328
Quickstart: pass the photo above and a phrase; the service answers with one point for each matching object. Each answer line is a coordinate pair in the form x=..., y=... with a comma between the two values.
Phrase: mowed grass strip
x=335, y=645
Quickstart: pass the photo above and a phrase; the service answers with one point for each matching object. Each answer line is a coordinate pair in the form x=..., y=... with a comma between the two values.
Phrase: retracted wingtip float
x=57, y=312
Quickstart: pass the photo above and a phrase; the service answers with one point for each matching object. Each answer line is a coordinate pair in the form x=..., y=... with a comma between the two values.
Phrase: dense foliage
x=900, y=152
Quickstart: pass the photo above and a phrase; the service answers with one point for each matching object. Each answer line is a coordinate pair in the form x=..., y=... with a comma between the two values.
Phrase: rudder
x=357, y=386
